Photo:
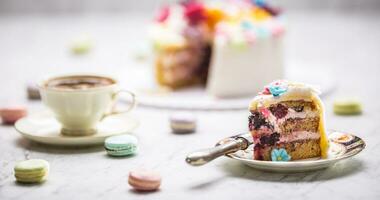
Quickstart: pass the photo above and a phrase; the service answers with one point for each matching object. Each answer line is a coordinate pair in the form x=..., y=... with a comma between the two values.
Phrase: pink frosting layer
x=290, y=115
x=299, y=135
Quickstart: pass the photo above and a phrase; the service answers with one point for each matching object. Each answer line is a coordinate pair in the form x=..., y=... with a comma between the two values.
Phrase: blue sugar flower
x=277, y=90
x=280, y=155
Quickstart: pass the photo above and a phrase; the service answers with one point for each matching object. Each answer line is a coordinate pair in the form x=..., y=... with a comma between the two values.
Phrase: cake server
x=226, y=146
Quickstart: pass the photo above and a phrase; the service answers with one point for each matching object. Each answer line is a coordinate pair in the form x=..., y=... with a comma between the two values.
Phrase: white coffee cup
x=79, y=110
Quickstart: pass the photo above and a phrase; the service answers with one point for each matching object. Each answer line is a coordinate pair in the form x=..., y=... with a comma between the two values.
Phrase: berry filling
x=279, y=110
x=271, y=139
x=256, y=120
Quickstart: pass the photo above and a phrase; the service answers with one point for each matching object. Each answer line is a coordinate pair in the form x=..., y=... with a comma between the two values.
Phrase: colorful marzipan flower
x=280, y=155
x=265, y=91
x=259, y=3
x=277, y=88
x=163, y=14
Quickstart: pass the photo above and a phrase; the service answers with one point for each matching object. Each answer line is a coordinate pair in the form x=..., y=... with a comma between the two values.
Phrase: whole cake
x=287, y=122
x=231, y=46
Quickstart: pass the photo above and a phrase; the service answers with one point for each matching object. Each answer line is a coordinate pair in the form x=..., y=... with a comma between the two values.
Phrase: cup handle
x=114, y=97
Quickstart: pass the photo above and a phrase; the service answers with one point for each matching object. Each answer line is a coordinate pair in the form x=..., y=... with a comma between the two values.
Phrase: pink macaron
x=144, y=180
x=10, y=115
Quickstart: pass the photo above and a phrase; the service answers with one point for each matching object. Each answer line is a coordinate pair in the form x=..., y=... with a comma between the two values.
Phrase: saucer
x=44, y=128
x=341, y=146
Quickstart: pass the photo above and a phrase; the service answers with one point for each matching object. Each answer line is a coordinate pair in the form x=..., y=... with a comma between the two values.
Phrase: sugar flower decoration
x=163, y=14
x=280, y=155
x=195, y=12
x=278, y=88
x=260, y=3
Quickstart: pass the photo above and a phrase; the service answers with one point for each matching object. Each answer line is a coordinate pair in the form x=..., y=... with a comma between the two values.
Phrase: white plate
x=43, y=128
x=342, y=146
x=196, y=98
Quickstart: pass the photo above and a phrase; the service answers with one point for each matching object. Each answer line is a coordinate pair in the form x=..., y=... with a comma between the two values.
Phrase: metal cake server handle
x=231, y=145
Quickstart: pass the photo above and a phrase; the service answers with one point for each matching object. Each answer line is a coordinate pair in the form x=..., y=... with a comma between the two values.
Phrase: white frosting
x=238, y=72
x=241, y=36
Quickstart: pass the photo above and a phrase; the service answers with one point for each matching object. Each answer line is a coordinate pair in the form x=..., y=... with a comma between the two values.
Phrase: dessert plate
x=240, y=148
x=197, y=98
x=43, y=128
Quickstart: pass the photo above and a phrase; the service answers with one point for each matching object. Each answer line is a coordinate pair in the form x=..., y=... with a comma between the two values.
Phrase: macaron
x=347, y=107
x=33, y=92
x=121, y=145
x=183, y=123
x=81, y=45
x=10, y=115
x=31, y=171
x=144, y=180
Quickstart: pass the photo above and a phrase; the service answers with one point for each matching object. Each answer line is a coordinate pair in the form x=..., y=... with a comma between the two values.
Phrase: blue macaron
x=121, y=145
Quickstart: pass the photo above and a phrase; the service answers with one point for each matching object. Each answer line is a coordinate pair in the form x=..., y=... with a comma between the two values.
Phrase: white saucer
x=43, y=128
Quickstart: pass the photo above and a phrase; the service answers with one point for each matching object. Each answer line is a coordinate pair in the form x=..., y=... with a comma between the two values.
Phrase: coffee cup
x=80, y=102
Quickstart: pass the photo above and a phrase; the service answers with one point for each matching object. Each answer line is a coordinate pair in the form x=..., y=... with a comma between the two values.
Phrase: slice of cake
x=218, y=44
x=287, y=122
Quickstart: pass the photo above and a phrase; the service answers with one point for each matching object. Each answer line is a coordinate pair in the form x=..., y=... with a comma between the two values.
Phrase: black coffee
x=79, y=82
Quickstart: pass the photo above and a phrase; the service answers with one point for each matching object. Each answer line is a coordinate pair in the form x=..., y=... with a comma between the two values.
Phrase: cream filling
x=292, y=114
x=299, y=135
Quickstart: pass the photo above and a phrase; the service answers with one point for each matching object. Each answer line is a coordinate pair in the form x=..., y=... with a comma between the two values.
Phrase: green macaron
x=31, y=171
x=81, y=45
x=347, y=107
x=121, y=145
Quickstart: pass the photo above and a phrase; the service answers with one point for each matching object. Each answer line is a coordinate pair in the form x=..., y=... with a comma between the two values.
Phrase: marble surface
x=32, y=47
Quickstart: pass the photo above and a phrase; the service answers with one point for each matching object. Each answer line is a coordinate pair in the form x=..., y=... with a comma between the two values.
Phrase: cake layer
x=300, y=149
x=293, y=125
x=274, y=137
x=299, y=105
x=266, y=122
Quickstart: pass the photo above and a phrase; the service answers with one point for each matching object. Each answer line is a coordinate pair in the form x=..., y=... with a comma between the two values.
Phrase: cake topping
x=163, y=14
x=272, y=10
x=277, y=88
x=260, y=3
x=280, y=155
x=194, y=12
x=283, y=90
x=239, y=22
